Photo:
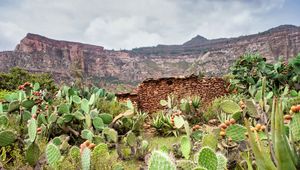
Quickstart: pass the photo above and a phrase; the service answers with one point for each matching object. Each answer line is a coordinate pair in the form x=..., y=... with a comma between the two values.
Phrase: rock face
x=67, y=60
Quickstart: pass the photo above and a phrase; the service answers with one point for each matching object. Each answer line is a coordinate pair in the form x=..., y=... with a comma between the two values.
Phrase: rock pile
x=151, y=91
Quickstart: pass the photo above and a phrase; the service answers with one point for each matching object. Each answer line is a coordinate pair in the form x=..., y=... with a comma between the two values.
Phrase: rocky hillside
x=67, y=60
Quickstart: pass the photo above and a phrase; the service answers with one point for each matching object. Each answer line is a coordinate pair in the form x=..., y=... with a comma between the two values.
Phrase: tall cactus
x=185, y=147
x=160, y=160
x=53, y=155
x=32, y=129
x=86, y=158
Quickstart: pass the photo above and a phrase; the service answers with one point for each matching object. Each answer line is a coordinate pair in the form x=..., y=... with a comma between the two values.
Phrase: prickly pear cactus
x=295, y=127
x=222, y=162
x=85, y=106
x=32, y=154
x=251, y=107
x=199, y=168
x=32, y=129
x=160, y=160
x=208, y=159
x=185, y=147
x=87, y=134
x=107, y=118
x=210, y=140
x=74, y=152
x=98, y=123
x=3, y=121
x=185, y=164
x=7, y=137
x=86, y=159
x=236, y=132
x=53, y=154
x=131, y=139
x=178, y=122
x=101, y=150
x=230, y=107
x=111, y=134
x=237, y=115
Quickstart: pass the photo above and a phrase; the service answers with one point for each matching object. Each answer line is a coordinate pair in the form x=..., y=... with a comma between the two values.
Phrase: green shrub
x=4, y=93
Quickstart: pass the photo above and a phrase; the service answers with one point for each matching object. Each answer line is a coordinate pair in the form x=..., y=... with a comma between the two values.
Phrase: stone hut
x=149, y=93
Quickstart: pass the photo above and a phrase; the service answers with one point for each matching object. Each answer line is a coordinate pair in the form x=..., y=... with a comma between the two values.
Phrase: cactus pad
x=7, y=137
x=160, y=160
x=53, y=154
x=111, y=134
x=3, y=120
x=32, y=154
x=131, y=139
x=85, y=106
x=107, y=118
x=13, y=106
x=199, y=168
x=210, y=140
x=185, y=164
x=86, y=159
x=207, y=158
x=74, y=152
x=251, y=107
x=236, y=132
x=185, y=147
x=98, y=123
x=295, y=127
x=87, y=134
x=222, y=162
x=32, y=127
x=178, y=121
x=76, y=99
x=230, y=107
x=100, y=151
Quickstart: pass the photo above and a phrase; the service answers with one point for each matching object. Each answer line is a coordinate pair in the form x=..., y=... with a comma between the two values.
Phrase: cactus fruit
x=207, y=158
x=106, y=117
x=3, y=121
x=98, y=123
x=230, y=107
x=222, y=162
x=53, y=154
x=7, y=137
x=32, y=129
x=160, y=160
x=111, y=134
x=87, y=134
x=185, y=147
x=236, y=132
x=295, y=127
x=32, y=154
x=185, y=164
x=86, y=159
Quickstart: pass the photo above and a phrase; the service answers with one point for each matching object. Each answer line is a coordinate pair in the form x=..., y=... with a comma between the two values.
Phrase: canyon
x=68, y=61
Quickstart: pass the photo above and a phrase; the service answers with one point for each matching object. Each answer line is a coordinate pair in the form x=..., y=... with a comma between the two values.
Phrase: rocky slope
x=66, y=60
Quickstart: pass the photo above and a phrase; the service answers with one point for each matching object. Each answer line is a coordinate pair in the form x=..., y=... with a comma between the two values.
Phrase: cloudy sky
x=126, y=24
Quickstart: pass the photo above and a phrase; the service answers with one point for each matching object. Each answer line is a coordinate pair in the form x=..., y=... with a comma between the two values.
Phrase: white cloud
x=128, y=24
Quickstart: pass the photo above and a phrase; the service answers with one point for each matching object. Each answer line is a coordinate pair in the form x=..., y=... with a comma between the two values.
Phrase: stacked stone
x=150, y=92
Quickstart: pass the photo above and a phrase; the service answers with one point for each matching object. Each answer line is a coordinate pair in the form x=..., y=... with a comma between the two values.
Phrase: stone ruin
x=148, y=94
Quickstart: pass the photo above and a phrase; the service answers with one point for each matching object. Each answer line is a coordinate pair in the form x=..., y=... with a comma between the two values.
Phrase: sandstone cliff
x=66, y=60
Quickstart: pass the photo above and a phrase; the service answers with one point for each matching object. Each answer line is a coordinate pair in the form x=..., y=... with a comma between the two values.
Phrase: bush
x=17, y=76
x=4, y=93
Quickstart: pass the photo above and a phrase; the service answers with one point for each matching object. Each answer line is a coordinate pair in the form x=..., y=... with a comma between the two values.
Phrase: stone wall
x=151, y=91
